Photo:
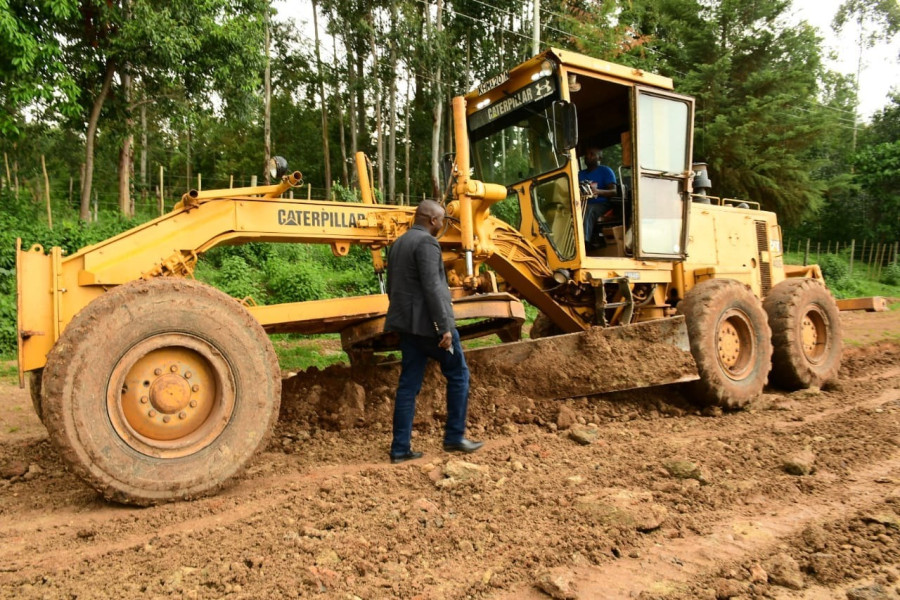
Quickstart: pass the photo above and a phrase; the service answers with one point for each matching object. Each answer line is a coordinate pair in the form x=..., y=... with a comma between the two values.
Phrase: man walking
x=421, y=312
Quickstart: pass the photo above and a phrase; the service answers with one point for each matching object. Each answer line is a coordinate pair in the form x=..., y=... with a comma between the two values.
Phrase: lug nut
x=195, y=388
x=157, y=372
x=193, y=404
x=151, y=413
x=188, y=374
x=173, y=368
x=166, y=419
x=143, y=399
x=182, y=415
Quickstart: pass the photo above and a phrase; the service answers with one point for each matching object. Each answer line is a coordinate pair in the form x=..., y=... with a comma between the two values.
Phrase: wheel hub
x=175, y=395
x=735, y=343
x=170, y=393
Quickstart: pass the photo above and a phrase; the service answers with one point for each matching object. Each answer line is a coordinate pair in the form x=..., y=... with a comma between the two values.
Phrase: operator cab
x=530, y=127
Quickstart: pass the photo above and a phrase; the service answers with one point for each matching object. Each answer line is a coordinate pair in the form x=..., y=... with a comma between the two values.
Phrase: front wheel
x=161, y=390
x=730, y=342
x=806, y=333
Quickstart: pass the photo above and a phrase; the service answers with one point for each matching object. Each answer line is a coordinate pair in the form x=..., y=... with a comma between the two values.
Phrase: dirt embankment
x=625, y=495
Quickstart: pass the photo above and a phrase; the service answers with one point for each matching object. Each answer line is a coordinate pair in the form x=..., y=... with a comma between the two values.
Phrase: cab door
x=663, y=143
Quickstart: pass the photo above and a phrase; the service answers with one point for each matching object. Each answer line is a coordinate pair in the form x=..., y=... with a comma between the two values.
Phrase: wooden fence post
x=199, y=183
x=253, y=181
x=862, y=254
x=896, y=244
x=161, y=192
x=869, y=262
x=47, y=192
x=852, y=250
x=231, y=181
x=837, y=247
x=806, y=254
x=828, y=250
x=818, y=251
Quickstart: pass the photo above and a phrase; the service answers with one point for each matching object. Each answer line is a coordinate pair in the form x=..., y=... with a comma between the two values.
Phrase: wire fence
x=871, y=256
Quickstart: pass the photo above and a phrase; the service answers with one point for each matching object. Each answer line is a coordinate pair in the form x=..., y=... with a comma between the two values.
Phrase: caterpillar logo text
x=319, y=218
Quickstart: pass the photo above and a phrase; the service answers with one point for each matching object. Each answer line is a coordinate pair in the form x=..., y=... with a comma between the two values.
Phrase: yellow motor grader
x=156, y=387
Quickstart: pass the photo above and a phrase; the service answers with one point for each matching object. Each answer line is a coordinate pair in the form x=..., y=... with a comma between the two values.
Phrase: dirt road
x=633, y=494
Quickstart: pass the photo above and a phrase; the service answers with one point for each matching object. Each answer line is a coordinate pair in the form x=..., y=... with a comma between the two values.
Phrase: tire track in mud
x=669, y=567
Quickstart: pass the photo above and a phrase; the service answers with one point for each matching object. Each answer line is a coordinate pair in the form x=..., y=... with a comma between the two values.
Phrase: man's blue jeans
x=594, y=211
x=416, y=351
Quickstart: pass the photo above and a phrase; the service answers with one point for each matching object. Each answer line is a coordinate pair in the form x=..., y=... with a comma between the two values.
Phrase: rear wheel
x=730, y=342
x=806, y=333
x=161, y=390
x=34, y=386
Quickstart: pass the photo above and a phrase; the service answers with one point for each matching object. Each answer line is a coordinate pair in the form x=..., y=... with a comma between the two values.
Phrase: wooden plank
x=871, y=304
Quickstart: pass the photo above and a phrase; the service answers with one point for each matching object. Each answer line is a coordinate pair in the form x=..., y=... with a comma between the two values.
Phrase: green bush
x=834, y=268
x=293, y=281
x=8, y=333
x=234, y=277
x=891, y=275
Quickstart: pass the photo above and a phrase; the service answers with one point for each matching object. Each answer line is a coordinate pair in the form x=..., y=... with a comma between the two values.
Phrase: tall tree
x=32, y=71
x=875, y=21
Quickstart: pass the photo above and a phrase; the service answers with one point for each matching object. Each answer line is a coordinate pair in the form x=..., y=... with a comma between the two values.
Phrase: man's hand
x=446, y=340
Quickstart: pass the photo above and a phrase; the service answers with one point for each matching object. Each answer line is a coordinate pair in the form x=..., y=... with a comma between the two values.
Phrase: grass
x=9, y=370
x=298, y=352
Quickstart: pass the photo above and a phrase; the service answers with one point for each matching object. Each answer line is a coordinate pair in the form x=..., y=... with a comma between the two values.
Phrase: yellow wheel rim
x=735, y=343
x=170, y=395
x=813, y=334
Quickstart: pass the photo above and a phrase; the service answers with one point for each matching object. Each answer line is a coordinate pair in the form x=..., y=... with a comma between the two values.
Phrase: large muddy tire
x=730, y=341
x=806, y=334
x=161, y=390
x=34, y=386
x=543, y=327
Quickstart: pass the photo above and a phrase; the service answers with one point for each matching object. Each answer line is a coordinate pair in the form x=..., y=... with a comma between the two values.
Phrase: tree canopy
x=111, y=91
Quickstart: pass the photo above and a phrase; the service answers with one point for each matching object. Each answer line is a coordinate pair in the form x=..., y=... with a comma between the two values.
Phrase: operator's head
x=430, y=215
x=592, y=157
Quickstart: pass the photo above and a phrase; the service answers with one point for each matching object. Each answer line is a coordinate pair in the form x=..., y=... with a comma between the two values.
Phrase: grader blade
x=590, y=362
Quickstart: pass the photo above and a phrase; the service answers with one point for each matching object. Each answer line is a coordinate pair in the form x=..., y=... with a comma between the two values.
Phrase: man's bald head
x=430, y=215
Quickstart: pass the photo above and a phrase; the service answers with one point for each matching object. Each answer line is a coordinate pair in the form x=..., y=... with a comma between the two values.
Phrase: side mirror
x=565, y=126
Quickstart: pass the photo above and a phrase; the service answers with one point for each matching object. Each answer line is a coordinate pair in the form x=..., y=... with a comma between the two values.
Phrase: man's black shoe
x=464, y=445
x=405, y=457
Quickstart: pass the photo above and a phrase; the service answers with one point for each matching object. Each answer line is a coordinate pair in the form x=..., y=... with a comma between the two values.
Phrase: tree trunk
x=345, y=176
x=267, y=103
x=351, y=108
x=437, y=110
x=325, y=151
x=408, y=140
x=126, y=208
x=392, y=117
x=187, y=155
x=144, y=183
x=379, y=101
x=85, y=210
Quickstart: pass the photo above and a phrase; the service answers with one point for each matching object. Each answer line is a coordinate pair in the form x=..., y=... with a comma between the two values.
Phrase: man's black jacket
x=417, y=286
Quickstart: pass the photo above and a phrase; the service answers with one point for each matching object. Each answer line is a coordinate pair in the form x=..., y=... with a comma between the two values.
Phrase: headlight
x=276, y=168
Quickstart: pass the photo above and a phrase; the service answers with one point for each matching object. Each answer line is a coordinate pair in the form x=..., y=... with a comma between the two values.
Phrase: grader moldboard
x=155, y=387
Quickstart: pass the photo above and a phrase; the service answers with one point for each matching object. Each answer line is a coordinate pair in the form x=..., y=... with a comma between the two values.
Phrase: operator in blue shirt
x=602, y=181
